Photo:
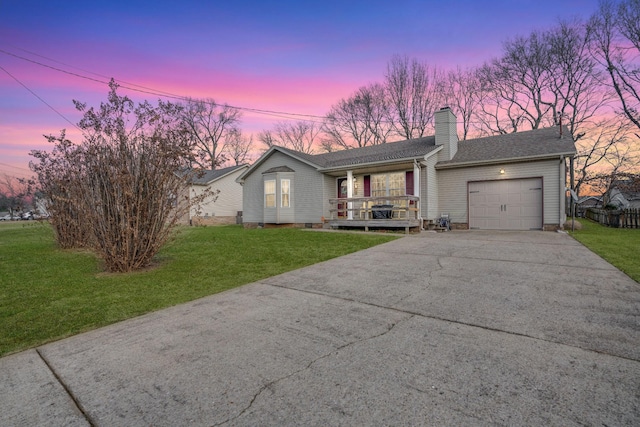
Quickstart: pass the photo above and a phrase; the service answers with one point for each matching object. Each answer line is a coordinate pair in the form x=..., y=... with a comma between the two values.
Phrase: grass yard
x=619, y=246
x=47, y=294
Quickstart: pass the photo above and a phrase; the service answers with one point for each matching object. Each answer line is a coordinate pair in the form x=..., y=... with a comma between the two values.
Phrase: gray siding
x=446, y=134
x=452, y=186
x=330, y=191
x=432, y=189
x=307, y=191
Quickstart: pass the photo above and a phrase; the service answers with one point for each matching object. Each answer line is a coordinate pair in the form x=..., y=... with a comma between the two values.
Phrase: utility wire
x=14, y=167
x=42, y=100
x=150, y=91
x=82, y=69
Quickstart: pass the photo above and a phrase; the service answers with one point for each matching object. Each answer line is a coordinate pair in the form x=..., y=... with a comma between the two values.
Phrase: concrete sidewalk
x=460, y=328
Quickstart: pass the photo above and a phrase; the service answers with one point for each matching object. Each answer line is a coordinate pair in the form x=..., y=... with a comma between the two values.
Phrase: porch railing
x=392, y=208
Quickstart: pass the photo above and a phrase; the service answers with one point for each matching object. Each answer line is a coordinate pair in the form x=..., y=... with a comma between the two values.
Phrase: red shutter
x=367, y=186
x=409, y=184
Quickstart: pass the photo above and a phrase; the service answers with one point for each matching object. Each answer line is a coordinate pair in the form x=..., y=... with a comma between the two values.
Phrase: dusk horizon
x=279, y=58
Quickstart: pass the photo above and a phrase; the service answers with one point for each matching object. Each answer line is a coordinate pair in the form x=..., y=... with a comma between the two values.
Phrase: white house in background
x=227, y=205
x=505, y=182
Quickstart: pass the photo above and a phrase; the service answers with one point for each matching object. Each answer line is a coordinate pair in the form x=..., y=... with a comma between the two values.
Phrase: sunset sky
x=295, y=57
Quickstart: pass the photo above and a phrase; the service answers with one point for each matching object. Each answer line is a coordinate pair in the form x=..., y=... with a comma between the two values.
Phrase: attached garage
x=510, y=204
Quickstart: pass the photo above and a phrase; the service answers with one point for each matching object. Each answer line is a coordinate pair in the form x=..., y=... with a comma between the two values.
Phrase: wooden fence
x=627, y=218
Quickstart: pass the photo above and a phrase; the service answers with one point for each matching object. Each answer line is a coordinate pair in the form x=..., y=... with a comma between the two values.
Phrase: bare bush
x=59, y=175
x=124, y=183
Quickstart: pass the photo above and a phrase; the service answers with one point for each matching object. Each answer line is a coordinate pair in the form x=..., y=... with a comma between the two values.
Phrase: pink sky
x=280, y=56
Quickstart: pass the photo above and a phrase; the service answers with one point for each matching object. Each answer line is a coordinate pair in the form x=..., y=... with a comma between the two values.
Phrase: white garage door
x=514, y=204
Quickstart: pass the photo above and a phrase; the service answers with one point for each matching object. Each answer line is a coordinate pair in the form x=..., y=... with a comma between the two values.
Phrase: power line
x=78, y=68
x=14, y=167
x=151, y=91
x=42, y=100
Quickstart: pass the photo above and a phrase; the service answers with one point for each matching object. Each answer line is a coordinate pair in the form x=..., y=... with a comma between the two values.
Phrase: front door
x=342, y=194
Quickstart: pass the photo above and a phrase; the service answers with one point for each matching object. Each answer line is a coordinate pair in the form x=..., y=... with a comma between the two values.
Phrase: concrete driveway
x=461, y=328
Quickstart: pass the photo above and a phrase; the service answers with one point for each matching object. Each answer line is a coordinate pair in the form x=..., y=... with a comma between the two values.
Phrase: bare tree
x=576, y=90
x=599, y=153
x=358, y=121
x=299, y=136
x=267, y=138
x=517, y=86
x=461, y=93
x=211, y=125
x=327, y=145
x=550, y=78
x=238, y=148
x=615, y=31
x=14, y=194
x=415, y=93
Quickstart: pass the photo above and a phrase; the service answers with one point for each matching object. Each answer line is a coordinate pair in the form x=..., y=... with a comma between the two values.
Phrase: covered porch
x=375, y=212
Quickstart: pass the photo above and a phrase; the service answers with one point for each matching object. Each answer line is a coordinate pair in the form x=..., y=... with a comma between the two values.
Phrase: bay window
x=270, y=193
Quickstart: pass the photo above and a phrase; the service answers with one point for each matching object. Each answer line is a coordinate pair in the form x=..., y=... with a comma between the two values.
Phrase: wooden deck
x=375, y=212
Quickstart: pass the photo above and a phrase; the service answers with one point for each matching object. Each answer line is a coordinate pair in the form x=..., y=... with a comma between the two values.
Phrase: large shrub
x=121, y=190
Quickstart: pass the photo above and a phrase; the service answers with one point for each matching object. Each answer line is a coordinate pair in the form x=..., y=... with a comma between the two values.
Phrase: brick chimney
x=446, y=133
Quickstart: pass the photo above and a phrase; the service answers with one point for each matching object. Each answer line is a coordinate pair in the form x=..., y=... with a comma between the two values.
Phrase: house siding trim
x=555, y=156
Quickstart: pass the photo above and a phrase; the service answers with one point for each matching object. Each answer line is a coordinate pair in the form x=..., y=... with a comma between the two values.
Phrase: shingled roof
x=534, y=144
x=409, y=149
x=208, y=176
x=537, y=143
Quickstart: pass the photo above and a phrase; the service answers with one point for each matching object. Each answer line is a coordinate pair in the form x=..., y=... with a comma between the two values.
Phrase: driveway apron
x=460, y=328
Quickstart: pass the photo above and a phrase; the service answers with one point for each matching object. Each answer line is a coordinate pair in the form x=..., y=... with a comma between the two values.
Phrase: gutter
x=499, y=161
x=379, y=162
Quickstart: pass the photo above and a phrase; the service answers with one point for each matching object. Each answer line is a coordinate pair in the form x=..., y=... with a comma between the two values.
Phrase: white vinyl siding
x=430, y=198
x=226, y=203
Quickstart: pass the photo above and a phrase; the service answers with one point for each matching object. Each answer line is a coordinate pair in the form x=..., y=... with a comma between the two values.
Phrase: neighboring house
x=587, y=202
x=510, y=182
x=226, y=206
x=624, y=194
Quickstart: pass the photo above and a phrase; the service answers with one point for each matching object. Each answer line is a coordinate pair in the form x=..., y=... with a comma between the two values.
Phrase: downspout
x=572, y=183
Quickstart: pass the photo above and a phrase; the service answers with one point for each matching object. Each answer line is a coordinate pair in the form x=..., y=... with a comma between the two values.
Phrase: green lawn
x=619, y=246
x=47, y=293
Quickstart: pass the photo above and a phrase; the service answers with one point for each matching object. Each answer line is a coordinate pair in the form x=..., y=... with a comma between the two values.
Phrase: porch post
x=416, y=187
x=350, y=194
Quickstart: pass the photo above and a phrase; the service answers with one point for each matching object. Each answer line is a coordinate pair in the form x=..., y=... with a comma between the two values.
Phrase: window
x=270, y=194
x=388, y=184
x=285, y=184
